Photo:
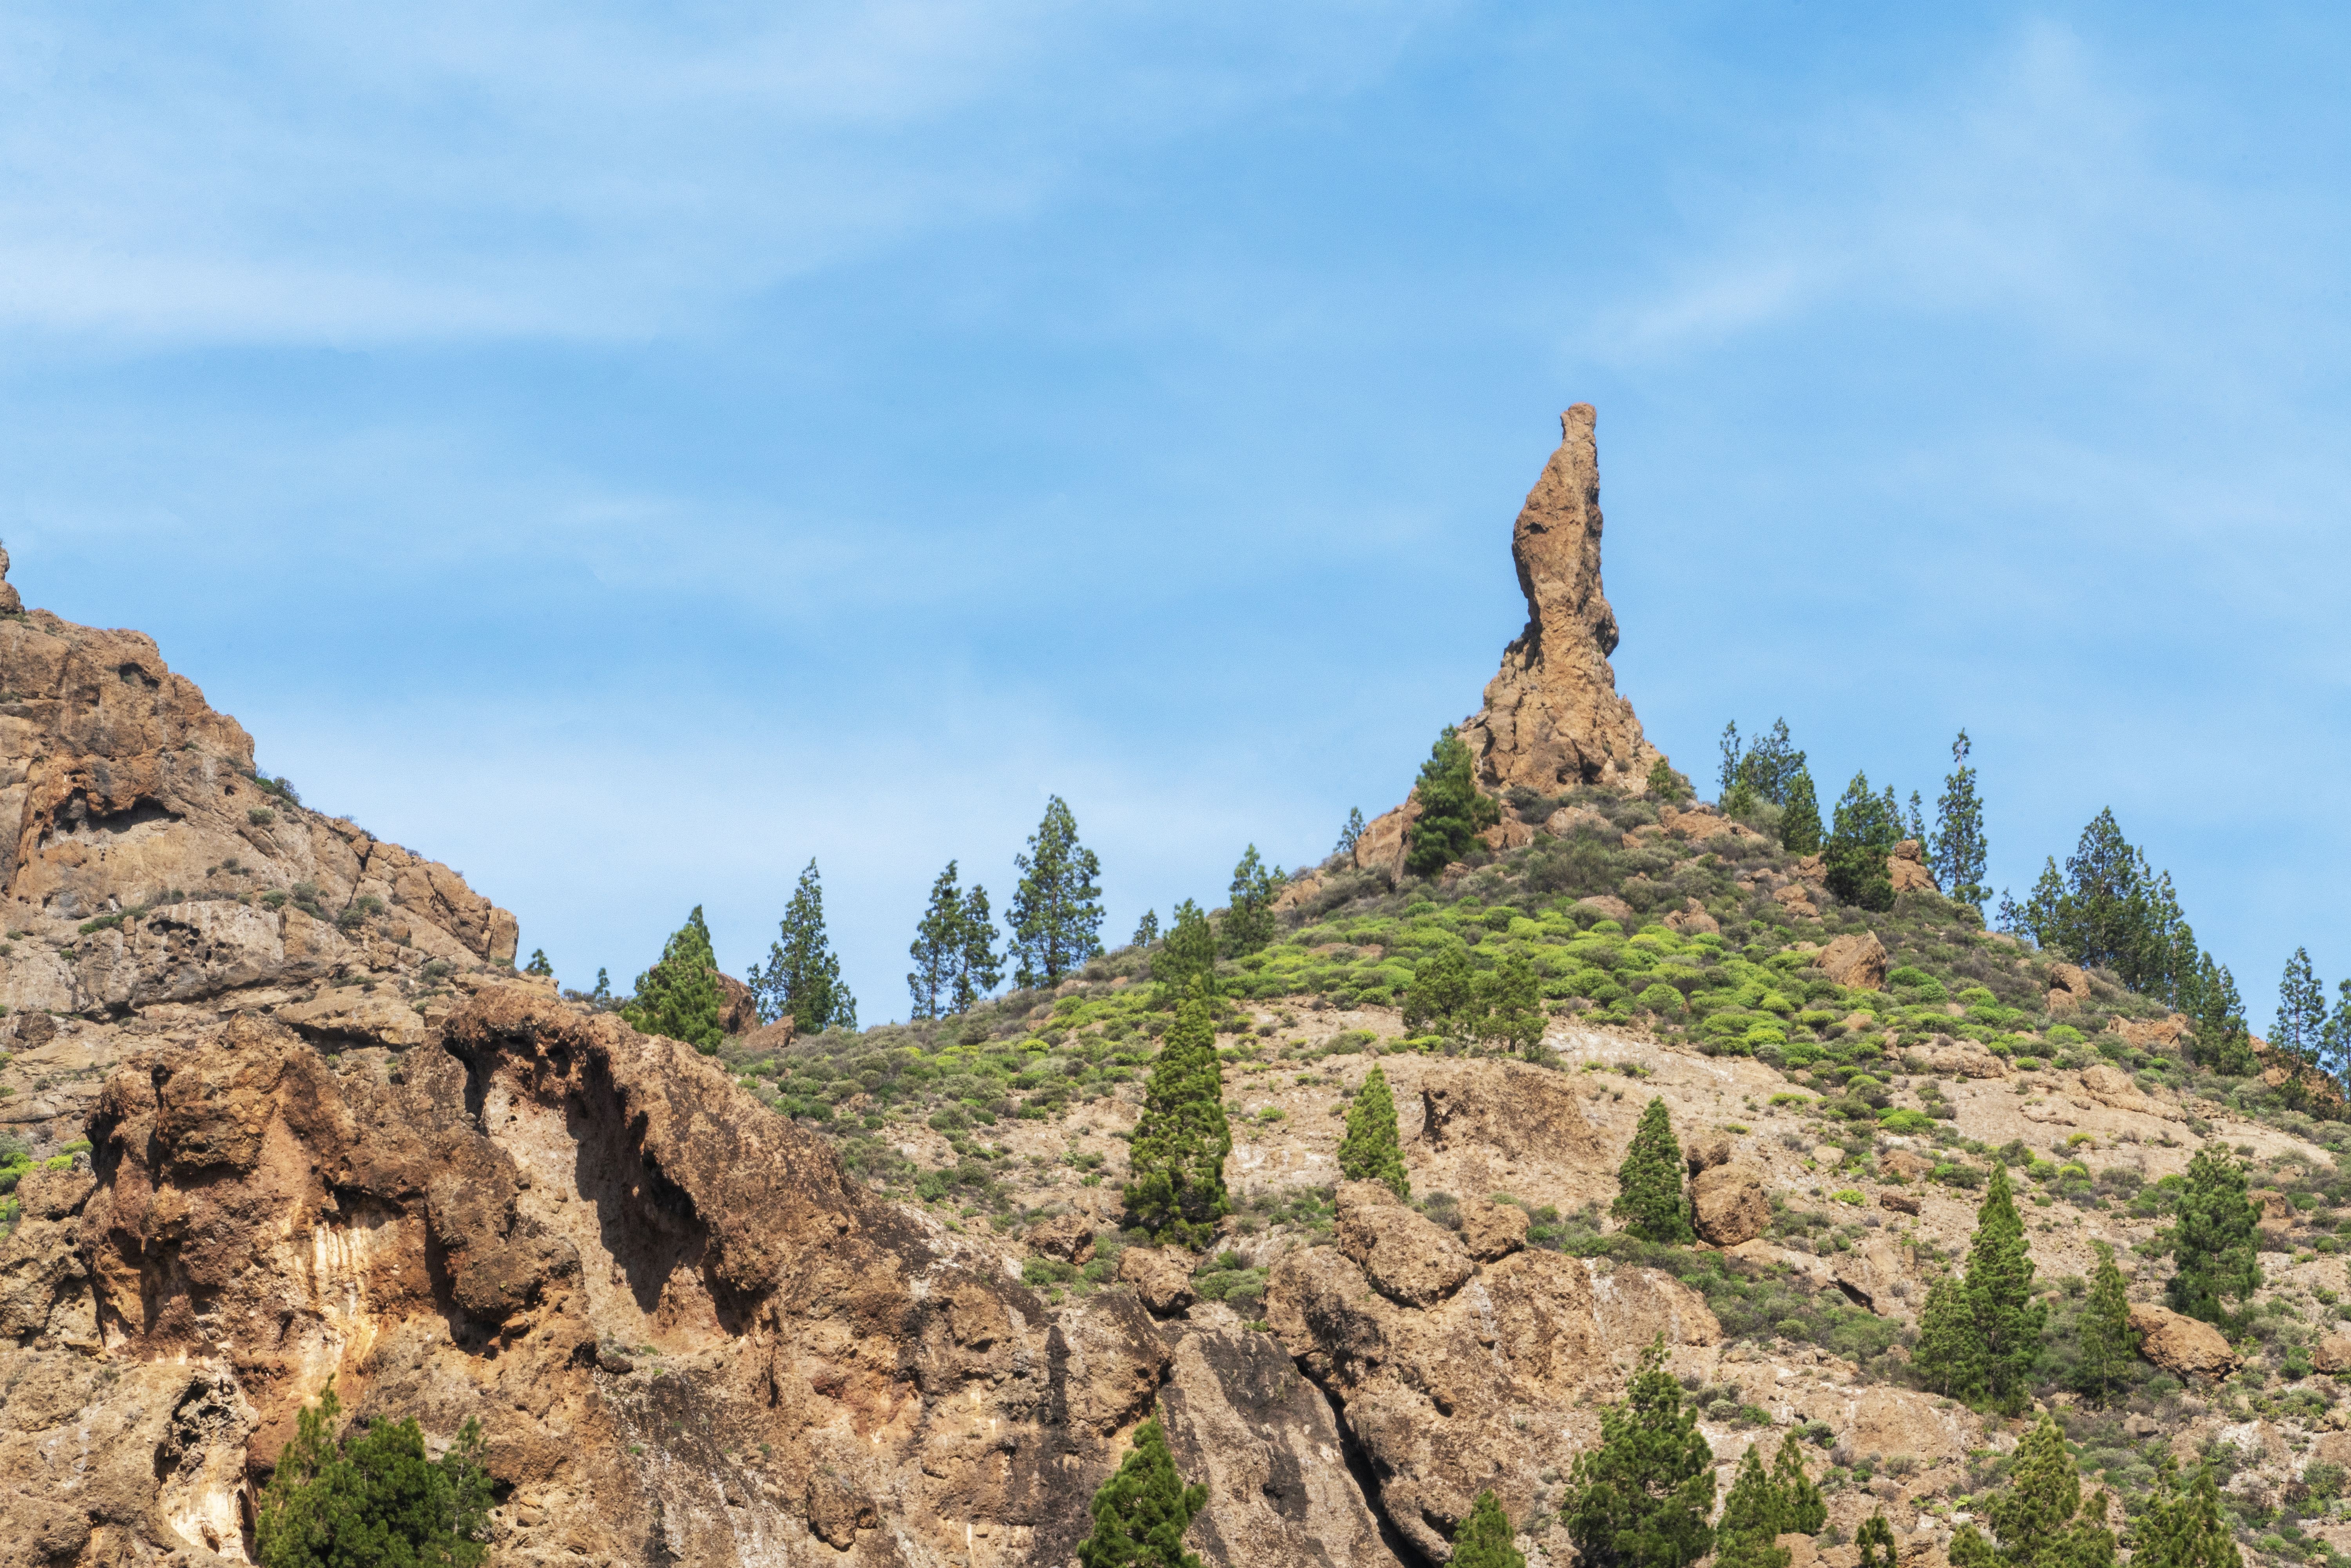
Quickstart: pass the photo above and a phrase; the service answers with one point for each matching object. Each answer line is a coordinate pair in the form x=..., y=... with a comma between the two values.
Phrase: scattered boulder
x=2068, y=987
x=1966, y=1059
x=1855, y=961
x=1794, y=903
x=1508, y=1108
x=2183, y=1346
x=1728, y=1205
x=1162, y=1277
x=2111, y=1087
x=1901, y=1164
x=1706, y=1150
x=1069, y=1237
x=1407, y=1257
x=351, y=1015
x=1828, y=1155
x=1509, y=833
x=1493, y=1231
x=1608, y=906
x=1691, y=919
x=1553, y=717
x=2334, y=1354
x=771, y=1037
x=1813, y=868
x=738, y=1009
x=1899, y=1202
x=1381, y=848
x=1576, y=819
x=2150, y=1034
x=1906, y=868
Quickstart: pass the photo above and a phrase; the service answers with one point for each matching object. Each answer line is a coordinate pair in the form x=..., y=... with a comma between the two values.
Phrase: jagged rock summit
x=1553, y=717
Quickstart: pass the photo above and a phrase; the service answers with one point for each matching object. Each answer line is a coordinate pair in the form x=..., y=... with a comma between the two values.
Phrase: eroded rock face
x=1906, y=868
x=1407, y=1257
x=1552, y=718
x=1477, y=1388
x=500, y=1225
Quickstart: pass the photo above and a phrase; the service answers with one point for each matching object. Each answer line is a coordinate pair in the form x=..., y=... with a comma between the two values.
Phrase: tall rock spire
x=1552, y=718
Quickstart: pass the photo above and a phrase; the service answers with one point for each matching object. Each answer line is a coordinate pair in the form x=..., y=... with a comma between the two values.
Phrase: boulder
x=1795, y=902
x=1505, y=1109
x=1407, y=1257
x=1906, y=868
x=1966, y=1059
x=1728, y=1205
x=1552, y=718
x=1856, y=961
x=2183, y=1346
x=1901, y=1164
x=1899, y=1202
x=771, y=1037
x=2150, y=1034
x=2113, y=1087
x=1813, y=868
x=1577, y=819
x=1609, y=906
x=2068, y=987
x=1382, y=846
x=2334, y=1354
x=349, y=1015
x=1691, y=919
x=1162, y=1277
x=1706, y=1150
x=1069, y=1237
x=738, y=1009
x=1509, y=833
x=1493, y=1231
x=1828, y=1155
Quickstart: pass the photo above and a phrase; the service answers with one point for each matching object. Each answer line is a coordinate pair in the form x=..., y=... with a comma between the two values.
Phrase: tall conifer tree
x=1800, y=819
x=803, y=975
x=2108, y=1342
x=1248, y=914
x=2301, y=1027
x=1369, y=1151
x=1641, y=1497
x=1960, y=848
x=1452, y=811
x=2184, y=1528
x=1146, y=930
x=1177, y=1159
x=1188, y=955
x=2213, y=1238
x=937, y=948
x=1057, y=914
x=979, y=967
x=2039, y=1520
x=1649, y=1196
x=1980, y=1337
x=679, y=996
x=1142, y=1512
x=1747, y=1534
x=1803, y=1509
x=1866, y=829
x=1876, y=1539
x=1352, y=832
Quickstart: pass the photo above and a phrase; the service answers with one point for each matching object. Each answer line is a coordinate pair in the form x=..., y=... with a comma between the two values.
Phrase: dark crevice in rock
x=1366, y=1479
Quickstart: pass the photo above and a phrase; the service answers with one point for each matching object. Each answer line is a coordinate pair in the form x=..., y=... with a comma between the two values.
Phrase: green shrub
x=1660, y=998
x=370, y=1498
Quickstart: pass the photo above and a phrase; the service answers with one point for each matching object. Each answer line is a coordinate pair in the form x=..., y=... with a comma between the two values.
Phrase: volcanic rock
x=2068, y=987
x=1407, y=1257
x=1490, y=1230
x=1069, y=1237
x=1609, y=906
x=2183, y=1346
x=1552, y=718
x=1906, y=868
x=1729, y=1205
x=1162, y=1277
x=1855, y=961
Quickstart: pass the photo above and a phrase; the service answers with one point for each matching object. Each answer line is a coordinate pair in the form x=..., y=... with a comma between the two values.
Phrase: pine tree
x=1369, y=1151
x=2301, y=1026
x=2040, y=1520
x=1146, y=930
x=1057, y=912
x=2108, y=1342
x=1649, y=1197
x=1800, y=819
x=1443, y=994
x=1142, y=1512
x=802, y=976
x=2183, y=1529
x=937, y=948
x=1746, y=1535
x=1864, y=831
x=1771, y=765
x=1980, y=1337
x=1915, y=827
x=1640, y=1498
x=1875, y=1539
x=1508, y=999
x=1452, y=811
x=2335, y=1048
x=1960, y=848
x=1353, y=833
x=2223, y=1042
x=1948, y=1357
x=538, y=963
x=1728, y=776
x=979, y=968
x=1485, y=1539
x=1248, y=916
x=679, y=996
x=1177, y=1159
x=602, y=997
x=1802, y=1511
x=1665, y=783
x=1187, y=957
x=372, y=1497
x=2213, y=1238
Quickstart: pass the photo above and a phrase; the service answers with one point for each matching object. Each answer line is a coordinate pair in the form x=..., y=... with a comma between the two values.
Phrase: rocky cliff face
x=152, y=883
x=1552, y=718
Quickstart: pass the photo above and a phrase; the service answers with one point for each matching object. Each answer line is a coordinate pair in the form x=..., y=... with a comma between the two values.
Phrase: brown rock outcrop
x=1162, y=1277
x=1856, y=961
x=1609, y=906
x=2150, y=1034
x=2332, y=1354
x=1382, y=847
x=1691, y=919
x=2183, y=1346
x=1906, y=868
x=1069, y=1237
x=1552, y=718
x=1704, y=1151
x=1407, y=1257
x=1478, y=1389
x=1493, y=1231
x=1507, y=1108
x=1792, y=899
x=738, y=1009
x=1728, y=1205
x=2068, y=987
x=1966, y=1059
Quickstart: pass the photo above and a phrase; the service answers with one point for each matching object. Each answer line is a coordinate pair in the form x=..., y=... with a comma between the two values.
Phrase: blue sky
x=626, y=452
